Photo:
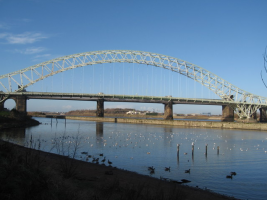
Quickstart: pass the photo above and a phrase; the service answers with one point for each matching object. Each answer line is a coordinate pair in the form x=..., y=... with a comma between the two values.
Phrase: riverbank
x=182, y=123
x=31, y=174
x=14, y=119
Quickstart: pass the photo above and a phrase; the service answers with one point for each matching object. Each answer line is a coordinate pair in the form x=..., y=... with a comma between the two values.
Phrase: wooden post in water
x=206, y=153
x=192, y=148
x=178, y=150
x=218, y=150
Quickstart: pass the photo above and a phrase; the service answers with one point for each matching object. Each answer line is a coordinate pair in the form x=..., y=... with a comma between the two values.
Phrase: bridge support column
x=21, y=103
x=100, y=108
x=227, y=114
x=263, y=116
x=168, y=111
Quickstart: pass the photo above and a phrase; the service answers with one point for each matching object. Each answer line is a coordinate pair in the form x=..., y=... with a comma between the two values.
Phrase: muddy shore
x=99, y=181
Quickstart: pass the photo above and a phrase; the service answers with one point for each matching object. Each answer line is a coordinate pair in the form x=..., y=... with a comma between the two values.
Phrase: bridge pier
x=21, y=103
x=100, y=108
x=168, y=111
x=227, y=114
x=263, y=116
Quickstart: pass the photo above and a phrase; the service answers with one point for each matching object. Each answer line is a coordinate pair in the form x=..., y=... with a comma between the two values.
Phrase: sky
x=226, y=37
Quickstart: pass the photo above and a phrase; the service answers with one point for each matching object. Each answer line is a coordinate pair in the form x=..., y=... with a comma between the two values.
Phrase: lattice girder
x=28, y=76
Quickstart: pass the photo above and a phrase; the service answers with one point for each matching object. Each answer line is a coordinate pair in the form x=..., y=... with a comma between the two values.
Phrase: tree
x=264, y=64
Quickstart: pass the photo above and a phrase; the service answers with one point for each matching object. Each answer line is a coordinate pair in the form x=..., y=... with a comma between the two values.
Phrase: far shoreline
x=198, y=122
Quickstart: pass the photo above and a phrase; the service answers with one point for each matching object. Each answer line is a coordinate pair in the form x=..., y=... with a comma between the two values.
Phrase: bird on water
x=167, y=169
x=229, y=176
x=187, y=171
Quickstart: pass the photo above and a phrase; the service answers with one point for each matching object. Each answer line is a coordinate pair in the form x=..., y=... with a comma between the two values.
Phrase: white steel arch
x=224, y=89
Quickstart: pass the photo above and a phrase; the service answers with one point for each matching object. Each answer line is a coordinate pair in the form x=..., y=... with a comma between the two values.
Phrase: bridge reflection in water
x=134, y=147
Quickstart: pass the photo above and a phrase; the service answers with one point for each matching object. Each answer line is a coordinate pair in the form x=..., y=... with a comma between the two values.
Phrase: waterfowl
x=233, y=173
x=151, y=168
x=187, y=171
x=103, y=160
x=101, y=154
x=109, y=162
x=167, y=169
x=229, y=176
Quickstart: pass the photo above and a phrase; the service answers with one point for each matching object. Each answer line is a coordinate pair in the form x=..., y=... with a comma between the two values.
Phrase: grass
x=25, y=174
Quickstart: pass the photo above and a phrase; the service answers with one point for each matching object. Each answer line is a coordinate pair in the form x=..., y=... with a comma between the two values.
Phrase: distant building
x=208, y=114
x=132, y=112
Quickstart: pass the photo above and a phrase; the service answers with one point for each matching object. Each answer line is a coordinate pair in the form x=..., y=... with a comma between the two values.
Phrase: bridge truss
x=244, y=103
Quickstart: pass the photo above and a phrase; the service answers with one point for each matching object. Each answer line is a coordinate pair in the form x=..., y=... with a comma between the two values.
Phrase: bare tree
x=265, y=65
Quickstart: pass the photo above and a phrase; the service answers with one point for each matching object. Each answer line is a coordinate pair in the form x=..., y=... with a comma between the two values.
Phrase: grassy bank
x=31, y=174
x=15, y=119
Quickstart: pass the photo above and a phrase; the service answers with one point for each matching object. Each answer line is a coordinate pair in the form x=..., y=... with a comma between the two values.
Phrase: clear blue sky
x=226, y=37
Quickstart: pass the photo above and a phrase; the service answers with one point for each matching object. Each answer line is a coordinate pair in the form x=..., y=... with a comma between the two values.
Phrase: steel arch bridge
x=244, y=103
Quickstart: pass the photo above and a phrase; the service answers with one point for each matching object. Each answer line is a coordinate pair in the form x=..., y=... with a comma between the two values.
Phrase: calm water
x=135, y=147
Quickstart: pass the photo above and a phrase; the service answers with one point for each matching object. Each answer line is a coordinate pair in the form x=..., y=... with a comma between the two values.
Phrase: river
x=135, y=147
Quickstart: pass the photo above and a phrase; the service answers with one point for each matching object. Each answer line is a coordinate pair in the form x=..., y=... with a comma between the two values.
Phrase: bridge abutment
x=227, y=114
x=168, y=111
x=2, y=106
x=100, y=108
x=263, y=116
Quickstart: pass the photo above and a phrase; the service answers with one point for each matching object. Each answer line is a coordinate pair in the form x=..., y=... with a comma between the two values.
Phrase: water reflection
x=210, y=154
x=16, y=135
x=99, y=133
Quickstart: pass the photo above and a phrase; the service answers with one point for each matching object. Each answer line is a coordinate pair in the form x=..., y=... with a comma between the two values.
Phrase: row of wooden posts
x=56, y=120
x=193, y=148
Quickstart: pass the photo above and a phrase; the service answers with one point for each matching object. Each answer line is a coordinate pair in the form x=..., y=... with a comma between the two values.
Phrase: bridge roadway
x=118, y=98
x=21, y=98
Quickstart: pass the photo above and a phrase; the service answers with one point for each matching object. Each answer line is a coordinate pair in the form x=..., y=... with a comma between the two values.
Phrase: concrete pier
x=168, y=111
x=227, y=114
x=21, y=103
x=100, y=108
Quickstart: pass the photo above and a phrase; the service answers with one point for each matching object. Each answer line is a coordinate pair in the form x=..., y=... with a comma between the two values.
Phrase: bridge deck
x=120, y=98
